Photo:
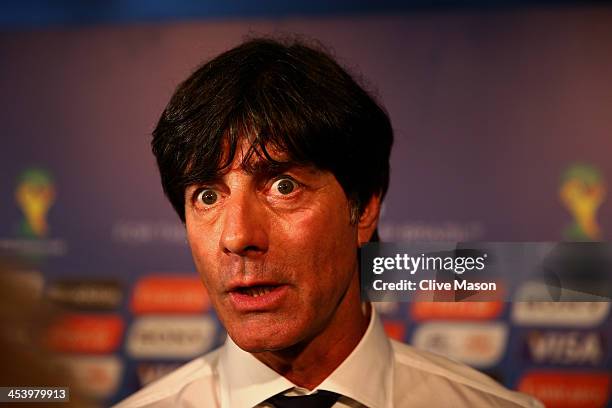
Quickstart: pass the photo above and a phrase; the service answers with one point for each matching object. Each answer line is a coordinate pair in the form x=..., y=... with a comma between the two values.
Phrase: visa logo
x=565, y=348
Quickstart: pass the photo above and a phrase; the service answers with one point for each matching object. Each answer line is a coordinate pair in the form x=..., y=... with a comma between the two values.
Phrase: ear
x=368, y=221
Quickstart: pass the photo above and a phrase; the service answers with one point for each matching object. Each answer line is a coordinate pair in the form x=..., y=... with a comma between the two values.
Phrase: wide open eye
x=284, y=186
x=207, y=196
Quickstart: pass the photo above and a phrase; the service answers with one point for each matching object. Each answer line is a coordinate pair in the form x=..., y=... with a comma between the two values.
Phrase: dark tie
x=320, y=399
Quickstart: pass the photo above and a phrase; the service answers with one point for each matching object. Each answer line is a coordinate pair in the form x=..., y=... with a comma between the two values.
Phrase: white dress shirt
x=379, y=373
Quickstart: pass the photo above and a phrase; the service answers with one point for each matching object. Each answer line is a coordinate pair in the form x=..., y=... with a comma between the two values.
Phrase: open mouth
x=256, y=291
x=262, y=297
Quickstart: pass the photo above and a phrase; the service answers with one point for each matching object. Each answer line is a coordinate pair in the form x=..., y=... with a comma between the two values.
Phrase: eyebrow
x=261, y=169
x=266, y=168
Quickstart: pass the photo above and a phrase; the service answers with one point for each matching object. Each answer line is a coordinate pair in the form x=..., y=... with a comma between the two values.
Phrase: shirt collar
x=365, y=375
x=244, y=380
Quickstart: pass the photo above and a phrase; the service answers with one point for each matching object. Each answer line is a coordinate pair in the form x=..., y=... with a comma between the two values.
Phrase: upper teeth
x=257, y=291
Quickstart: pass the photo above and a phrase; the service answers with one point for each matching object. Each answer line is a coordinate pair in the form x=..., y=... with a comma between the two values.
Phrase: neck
x=309, y=363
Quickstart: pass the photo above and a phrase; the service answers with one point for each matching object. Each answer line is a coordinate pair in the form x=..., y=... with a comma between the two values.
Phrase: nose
x=244, y=226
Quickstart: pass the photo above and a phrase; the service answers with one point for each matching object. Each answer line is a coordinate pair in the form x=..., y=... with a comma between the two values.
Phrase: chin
x=258, y=339
x=257, y=343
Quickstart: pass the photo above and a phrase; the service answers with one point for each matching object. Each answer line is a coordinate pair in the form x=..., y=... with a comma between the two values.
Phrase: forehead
x=249, y=152
x=253, y=158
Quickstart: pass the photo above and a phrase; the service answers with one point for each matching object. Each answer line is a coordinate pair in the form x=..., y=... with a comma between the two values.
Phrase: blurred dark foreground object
x=24, y=361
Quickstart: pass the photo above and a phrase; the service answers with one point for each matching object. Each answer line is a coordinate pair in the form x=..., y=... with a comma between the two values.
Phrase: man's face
x=276, y=251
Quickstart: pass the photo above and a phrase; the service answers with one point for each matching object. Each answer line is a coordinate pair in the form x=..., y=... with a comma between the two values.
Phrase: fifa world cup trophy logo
x=582, y=192
x=35, y=195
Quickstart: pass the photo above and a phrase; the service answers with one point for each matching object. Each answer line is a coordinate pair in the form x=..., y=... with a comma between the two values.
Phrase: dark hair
x=290, y=97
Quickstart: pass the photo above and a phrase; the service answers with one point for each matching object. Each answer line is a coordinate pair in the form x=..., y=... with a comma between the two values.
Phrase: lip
x=243, y=302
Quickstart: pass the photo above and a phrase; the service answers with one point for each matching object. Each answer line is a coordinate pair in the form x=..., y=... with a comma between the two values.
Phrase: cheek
x=324, y=243
x=203, y=253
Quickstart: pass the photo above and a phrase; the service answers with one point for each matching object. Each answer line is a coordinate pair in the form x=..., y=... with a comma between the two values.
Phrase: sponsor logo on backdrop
x=565, y=389
x=149, y=372
x=96, y=376
x=456, y=310
x=476, y=344
x=565, y=347
x=86, y=333
x=582, y=191
x=425, y=231
x=395, y=329
x=170, y=294
x=35, y=194
x=171, y=337
x=144, y=232
x=86, y=294
x=560, y=314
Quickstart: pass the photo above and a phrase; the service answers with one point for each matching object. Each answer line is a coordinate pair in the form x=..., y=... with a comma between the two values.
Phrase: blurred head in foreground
x=25, y=360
